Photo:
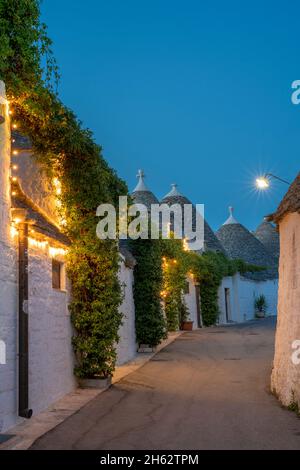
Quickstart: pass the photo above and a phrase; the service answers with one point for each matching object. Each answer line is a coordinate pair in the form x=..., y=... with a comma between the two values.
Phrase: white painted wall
x=233, y=314
x=286, y=374
x=36, y=184
x=190, y=300
x=249, y=290
x=51, y=360
x=8, y=284
x=127, y=346
x=242, y=295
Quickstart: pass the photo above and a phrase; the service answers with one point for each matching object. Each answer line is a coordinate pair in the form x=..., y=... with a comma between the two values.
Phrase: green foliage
x=24, y=46
x=209, y=270
x=175, y=268
x=260, y=304
x=69, y=153
x=294, y=405
x=148, y=278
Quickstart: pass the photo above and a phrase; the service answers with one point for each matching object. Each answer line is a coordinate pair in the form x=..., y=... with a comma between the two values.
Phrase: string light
x=57, y=185
x=39, y=244
x=33, y=242
x=185, y=245
x=14, y=178
x=15, y=126
x=53, y=252
x=14, y=193
x=13, y=231
x=15, y=152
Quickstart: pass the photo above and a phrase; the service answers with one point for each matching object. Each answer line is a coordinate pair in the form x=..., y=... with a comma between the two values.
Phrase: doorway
x=198, y=304
x=227, y=305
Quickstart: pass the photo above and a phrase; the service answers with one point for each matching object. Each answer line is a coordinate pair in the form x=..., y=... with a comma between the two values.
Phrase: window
x=57, y=271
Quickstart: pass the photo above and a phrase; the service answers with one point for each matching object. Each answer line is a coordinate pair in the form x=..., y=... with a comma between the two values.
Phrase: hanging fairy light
x=185, y=244
x=13, y=231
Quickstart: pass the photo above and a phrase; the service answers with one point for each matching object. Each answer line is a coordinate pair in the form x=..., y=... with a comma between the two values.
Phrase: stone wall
x=190, y=300
x=127, y=346
x=242, y=293
x=286, y=372
x=36, y=183
x=249, y=290
x=233, y=311
x=51, y=360
x=8, y=283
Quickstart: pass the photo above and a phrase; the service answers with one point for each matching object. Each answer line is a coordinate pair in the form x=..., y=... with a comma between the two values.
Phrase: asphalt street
x=207, y=390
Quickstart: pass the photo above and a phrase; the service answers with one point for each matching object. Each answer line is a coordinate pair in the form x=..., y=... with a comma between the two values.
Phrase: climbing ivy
x=175, y=269
x=148, y=281
x=207, y=269
x=69, y=153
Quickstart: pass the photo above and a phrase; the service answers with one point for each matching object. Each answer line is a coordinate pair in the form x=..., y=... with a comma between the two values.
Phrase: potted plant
x=260, y=305
x=97, y=382
x=95, y=362
x=185, y=323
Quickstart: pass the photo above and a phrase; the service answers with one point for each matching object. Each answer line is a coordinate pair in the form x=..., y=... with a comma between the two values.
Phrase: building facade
x=36, y=354
x=286, y=367
x=237, y=294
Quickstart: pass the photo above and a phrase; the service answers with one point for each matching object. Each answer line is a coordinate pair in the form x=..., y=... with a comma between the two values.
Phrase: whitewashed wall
x=127, y=346
x=190, y=300
x=8, y=286
x=229, y=283
x=242, y=295
x=286, y=374
x=249, y=290
x=51, y=359
x=36, y=184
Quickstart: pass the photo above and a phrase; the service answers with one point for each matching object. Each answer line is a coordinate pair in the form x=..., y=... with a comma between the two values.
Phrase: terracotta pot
x=145, y=348
x=96, y=383
x=187, y=325
x=260, y=315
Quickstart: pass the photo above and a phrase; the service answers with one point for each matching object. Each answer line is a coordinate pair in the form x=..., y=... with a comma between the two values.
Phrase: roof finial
x=141, y=184
x=174, y=191
x=231, y=219
x=140, y=174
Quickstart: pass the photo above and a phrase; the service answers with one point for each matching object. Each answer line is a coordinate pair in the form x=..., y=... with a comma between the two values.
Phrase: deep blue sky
x=194, y=92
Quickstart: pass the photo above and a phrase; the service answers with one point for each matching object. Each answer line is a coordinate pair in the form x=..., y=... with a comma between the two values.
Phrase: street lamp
x=263, y=182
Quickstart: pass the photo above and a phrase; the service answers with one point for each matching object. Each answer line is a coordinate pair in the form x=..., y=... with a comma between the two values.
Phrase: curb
x=27, y=432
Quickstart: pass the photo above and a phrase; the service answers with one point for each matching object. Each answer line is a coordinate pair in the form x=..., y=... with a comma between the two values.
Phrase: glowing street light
x=263, y=182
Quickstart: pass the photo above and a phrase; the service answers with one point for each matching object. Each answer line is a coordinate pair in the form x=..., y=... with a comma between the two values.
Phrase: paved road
x=207, y=390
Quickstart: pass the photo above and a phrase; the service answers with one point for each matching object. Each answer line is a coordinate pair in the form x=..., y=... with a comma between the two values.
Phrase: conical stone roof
x=290, y=203
x=240, y=243
x=267, y=234
x=211, y=243
x=141, y=194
